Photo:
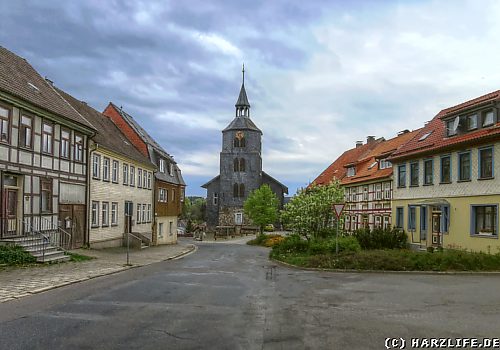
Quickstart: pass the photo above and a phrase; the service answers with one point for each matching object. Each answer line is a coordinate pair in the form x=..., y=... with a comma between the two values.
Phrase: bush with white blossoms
x=309, y=213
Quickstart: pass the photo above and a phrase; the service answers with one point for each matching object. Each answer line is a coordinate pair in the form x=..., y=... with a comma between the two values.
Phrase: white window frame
x=105, y=214
x=95, y=214
x=114, y=172
x=114, y=213
x=125, y=172
x=105, y=168
x=96, y=166
x=162, y=165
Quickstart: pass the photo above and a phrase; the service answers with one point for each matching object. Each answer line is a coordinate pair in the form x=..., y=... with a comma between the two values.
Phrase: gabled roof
x=337, y=169
x=367, y=168
x=154, y=149
x=438, y=141
x=108, y=134
x=272, y=179
x=242, y=123
x=209, y=182
x=18, y=78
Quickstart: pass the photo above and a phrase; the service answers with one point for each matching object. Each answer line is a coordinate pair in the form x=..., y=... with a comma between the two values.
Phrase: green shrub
x=15, y=255
x=291, y=244
x=380, y=238
x=261, y=239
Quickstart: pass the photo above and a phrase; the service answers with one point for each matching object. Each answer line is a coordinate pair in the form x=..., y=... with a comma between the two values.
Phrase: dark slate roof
x=217, y=178
x=108, y=134
x=20, y=79
x=272, y=179
x=154, y=149
x=242, y=98
x=242, y=123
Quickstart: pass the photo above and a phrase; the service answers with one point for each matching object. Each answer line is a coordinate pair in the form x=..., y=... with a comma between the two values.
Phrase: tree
x=310, y=213
x=186, y=209
x=262, y=206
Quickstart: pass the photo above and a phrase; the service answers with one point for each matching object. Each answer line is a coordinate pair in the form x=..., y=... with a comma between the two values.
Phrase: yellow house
x=447, y=179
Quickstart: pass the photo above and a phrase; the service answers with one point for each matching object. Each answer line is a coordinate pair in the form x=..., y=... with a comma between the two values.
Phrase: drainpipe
x=89, y=178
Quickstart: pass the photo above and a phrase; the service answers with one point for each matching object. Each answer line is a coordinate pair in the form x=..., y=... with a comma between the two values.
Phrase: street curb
x=192, y=249
x=469, y=273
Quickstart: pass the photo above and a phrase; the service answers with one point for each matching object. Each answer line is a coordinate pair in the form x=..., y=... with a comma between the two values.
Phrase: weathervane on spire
x=243, y=71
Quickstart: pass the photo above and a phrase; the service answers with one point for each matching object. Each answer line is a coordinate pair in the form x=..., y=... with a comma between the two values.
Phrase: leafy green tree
x=198, y=210
x=310, y=213
x=186, y=209
x=262, y=206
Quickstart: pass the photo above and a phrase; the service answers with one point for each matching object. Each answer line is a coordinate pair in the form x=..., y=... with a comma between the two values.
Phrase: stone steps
x=36, y=245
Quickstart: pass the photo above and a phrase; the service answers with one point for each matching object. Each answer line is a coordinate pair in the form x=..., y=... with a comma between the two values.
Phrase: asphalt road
x=229, y=296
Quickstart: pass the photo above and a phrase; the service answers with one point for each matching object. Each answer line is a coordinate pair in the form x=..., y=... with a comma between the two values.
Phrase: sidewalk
x=16, y=283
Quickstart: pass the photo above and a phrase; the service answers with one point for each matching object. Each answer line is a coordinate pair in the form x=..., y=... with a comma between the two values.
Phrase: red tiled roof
x=337, y=169
x=438, y=141
x=366, y=172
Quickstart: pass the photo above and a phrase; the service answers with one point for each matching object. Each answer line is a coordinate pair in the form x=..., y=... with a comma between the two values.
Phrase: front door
x=436, y=227
x=129, y=212
x=10, y=224
x=72, y=220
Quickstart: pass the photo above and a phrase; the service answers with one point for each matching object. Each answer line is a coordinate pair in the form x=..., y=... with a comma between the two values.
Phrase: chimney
x=370, y=139
x=359, y=144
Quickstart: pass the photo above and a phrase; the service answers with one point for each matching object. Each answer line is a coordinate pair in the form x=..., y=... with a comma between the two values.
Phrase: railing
x=57, y=236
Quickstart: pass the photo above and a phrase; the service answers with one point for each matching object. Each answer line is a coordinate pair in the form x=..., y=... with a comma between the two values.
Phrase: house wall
x=31, y=166
x=167, y=212
x=375, y=205
x=460, y=196
x=102, y=235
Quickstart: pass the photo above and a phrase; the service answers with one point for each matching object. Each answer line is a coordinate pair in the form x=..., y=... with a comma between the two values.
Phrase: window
x=378, y=192
x=171, y=228
x=399, y=217
x=132, y=175
x=384, y=163
x=215, y=198
x=173, y=195
x=139, y=207
x=46, y=195
x=125, y=174
x=402, y=175
x=171, y=169
x=47, y=138
x=365, y=193
x=445, y=169
x=139, y=178
x=162, y=165
x=450, y=131
x=486, y=163
x=354, y=196
x=95, y=214
x=26, y=131
x=412, y=217
x=114, y=213
x=238, y=218
x=239, y=165
x=423, y=219
x=424, y=136
x=445, y=218
x=143, y=213
x=105, y=169
x=351, y=171
x=387, y=222
x=488, y=118
x=472, y=122
x=464, y=168
x=144, y=179
x=78, y=148
x=65, y=143
x=149, y=213
x=378, y=221
x=160, y=229
x=149, y=180
x=239, y=141
x=428, y=171
x=96, y=166
x=238, y=190
x=484, y=220
x=387, y=190
x=414, y=174
x=4, y=124
x=114, y=176
x=105, y=214
x=162, y=195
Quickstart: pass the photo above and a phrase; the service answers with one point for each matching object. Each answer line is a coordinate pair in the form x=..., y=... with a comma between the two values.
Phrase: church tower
x=240, y=168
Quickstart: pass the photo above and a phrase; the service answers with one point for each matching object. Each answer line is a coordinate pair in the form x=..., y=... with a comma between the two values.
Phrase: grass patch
x=15, y=256
x=78, y=257
x=395, y=260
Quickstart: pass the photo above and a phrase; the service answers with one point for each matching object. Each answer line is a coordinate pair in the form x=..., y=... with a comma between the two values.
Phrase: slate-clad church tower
x=240, y=169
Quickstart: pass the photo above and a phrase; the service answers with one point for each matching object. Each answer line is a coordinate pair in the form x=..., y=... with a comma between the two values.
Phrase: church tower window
x=239, y=165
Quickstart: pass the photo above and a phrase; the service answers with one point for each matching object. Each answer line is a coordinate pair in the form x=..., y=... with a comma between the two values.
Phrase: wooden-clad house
x=43, y=156
x=169, y=185
x=120, y=184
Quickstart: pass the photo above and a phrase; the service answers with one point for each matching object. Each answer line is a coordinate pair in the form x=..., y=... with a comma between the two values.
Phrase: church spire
x=242, y=105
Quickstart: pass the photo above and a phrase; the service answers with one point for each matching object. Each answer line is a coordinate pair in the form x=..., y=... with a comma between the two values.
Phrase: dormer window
x=472, y=122
x=351, y=171
x=450, y=130
x=384, y=163
x=488, y=118
x=171, y=169
x=162, y=165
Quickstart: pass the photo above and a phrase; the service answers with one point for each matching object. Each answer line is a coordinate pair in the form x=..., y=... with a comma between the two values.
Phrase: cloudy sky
x=320, y=74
